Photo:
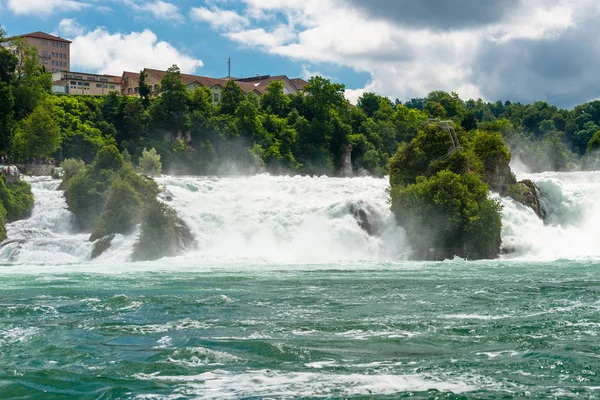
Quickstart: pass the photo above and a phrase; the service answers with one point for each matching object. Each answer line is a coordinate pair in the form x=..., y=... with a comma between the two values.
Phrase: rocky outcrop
x=346, y=170
x=102, y=245
x=362, y=219
x=527, y=193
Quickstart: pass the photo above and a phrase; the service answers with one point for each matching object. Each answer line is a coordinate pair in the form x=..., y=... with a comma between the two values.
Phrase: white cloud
x=403, y=60
x=219, y=18
x=103, y=52
x=44, y=7
x=163, y=10
x=160, y=10
x=70, y=28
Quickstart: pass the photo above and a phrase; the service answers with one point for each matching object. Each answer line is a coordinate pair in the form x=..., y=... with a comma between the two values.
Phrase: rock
x=362, y=218
x=102, y=245
x=166, y=195
x=346, y=170
x=526, y=192
x=62, y=186
x=186, y=238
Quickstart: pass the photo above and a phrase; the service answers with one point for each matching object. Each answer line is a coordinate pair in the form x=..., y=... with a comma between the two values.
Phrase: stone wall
x=35, y=169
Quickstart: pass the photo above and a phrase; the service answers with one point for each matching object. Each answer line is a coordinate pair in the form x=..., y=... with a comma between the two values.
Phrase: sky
x=518, y=50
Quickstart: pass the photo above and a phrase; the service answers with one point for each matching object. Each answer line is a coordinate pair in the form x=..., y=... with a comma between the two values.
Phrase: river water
x=286, y=296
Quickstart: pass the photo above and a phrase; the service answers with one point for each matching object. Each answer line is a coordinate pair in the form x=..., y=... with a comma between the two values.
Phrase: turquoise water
x=165, y=330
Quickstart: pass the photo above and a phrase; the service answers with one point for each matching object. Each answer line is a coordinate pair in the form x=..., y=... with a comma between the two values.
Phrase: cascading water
x=269, y=219
x=572, y=229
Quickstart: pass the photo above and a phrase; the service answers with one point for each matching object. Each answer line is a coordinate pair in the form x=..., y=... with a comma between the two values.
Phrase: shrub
x=159, y=235
x=449, y=214
x=17, y=199
x=108, y=158
x=70, y=167
x=121, y=212
x=150, y=162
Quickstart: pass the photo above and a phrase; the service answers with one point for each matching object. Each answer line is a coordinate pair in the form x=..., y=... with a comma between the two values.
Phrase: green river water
x=403, y=330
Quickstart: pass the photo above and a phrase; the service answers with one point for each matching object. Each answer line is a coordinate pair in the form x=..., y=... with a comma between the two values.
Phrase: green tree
x=449, y=214
x=144, y=89
x=173, y=107
x=275, y=101
x=231, y=97
x=369, y=102
x=39, y=134
x=324, y=96
x=150, y=163
x=594, y=143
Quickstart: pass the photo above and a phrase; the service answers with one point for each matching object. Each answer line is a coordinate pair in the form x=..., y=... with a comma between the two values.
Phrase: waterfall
x=281, y=219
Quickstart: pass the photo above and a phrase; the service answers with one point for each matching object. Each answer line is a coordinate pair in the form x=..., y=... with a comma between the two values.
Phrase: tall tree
x=274, y=100
x=173, y=100
x=144, y=89
x=39, y=134
x=231, y=97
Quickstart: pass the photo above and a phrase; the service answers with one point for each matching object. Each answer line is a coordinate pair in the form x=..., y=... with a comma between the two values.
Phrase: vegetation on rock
x=108, y=197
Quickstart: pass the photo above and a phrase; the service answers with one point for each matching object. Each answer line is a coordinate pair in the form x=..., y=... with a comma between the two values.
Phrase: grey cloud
x=562, y=71
x=439, y=14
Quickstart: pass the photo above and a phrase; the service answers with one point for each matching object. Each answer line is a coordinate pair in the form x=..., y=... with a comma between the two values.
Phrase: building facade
x=257, y=85
x=54, y=52
x=81, y=83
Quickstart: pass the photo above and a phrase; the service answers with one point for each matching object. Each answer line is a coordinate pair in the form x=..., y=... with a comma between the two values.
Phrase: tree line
x=305, y=133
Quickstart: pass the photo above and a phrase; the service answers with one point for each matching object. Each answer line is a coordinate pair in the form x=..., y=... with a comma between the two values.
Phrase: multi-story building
x=82, y=83
x=54, y=52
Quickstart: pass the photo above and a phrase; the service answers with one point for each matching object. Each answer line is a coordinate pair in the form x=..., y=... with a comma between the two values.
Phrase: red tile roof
x=201, y=80
x=41, y=35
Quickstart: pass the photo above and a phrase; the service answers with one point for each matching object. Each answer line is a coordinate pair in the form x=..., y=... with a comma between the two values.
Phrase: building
x=130, y=83
x=82, y=83
x=54, y=52
x=290, y=86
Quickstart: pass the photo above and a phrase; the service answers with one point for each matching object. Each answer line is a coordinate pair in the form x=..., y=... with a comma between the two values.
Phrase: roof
x=299, y=83
x=189, y=79
x=41, y=35
x=264, y=80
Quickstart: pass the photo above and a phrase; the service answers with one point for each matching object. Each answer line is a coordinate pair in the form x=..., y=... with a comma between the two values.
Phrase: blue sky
x=522, y=50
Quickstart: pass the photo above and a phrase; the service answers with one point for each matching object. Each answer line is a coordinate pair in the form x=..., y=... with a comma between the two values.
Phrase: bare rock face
x=102, y=245
x=346, y=170
x=362, y=219
x=531, y=198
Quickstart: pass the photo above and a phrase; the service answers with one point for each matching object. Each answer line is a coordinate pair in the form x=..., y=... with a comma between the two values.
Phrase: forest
x=305, y=133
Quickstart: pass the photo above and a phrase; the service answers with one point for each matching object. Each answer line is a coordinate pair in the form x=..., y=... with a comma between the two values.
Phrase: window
x=52, y=64
x=79, y=83
x=129, y=90
x=98, y=85
x=44, y=53
x=103, y=80
x=73, y=83
x=111, y=86
x=52, y=55
x=156, y=88
x=77, y=76
x=136, y=90
x=216, y=97
x=91, y=78
x=86, y=84
x=44, y=42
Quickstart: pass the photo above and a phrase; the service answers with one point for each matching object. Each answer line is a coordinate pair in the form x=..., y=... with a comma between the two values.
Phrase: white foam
x=221, y=384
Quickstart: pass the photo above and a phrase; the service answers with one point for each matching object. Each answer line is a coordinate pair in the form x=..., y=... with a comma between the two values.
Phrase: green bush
x=71, y=166
x=121, y=212
x=150, y=163
x=449, y=214
x=17, y=199
x=159, y=235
